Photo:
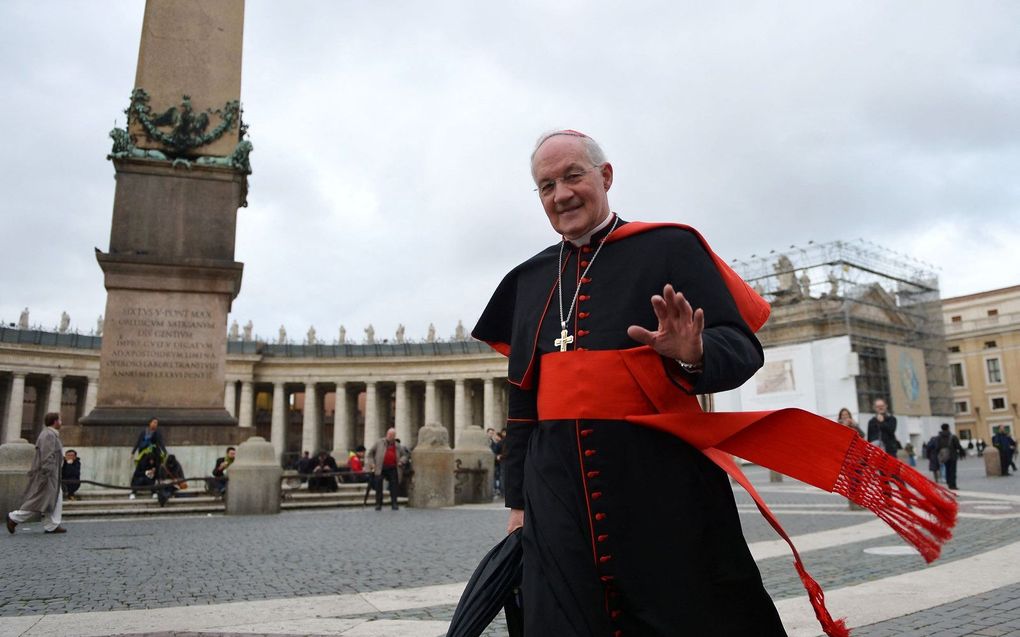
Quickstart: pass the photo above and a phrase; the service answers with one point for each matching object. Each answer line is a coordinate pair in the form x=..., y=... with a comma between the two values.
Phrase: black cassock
x=628, y=530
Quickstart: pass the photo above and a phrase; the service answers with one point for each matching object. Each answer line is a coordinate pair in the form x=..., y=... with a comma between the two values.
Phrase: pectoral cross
x=563, y=340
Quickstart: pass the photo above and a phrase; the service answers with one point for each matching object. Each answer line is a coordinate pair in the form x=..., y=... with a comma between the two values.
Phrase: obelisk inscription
x=165, y=348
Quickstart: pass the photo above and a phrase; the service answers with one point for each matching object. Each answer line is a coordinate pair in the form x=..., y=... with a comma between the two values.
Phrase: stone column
x=244, y=412
x=372, y=432
x=402, y=414
x=15, y=461
x=15, y=409
x=431, y=403
x=489, y=404
x=230, y=398
x=56, y=392
x=341, y=425
x=459, y=410
x=90, y=394
x=278, y=428
x=310, y=421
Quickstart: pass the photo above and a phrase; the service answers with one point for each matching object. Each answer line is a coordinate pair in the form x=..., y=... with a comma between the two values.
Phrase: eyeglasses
x=572, y=178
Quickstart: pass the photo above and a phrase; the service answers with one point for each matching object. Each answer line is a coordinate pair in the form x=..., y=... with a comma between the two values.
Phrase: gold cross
x=563, y=340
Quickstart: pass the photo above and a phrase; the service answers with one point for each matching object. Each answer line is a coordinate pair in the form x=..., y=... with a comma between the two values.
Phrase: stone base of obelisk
x=170, y=279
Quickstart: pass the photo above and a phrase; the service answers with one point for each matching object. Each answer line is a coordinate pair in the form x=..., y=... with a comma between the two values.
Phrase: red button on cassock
x=593, y=474
x=583, y=297
x=583, y=315
x=603, y=537
x=586, y=432
x=589, y=452
x=584, y=264
x=600, y=516
x=596, y=495
x=586, y=279
x=605, y=558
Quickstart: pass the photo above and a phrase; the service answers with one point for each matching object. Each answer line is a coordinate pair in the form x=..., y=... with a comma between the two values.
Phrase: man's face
x=232, y=453
x=879, y=406
x=573, y=209
x=70, y=456
x=391, y=435
x=57, y=424
x=153, y=424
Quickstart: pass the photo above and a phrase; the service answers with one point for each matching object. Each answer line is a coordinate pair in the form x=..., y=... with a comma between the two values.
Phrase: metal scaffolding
x=865, y=291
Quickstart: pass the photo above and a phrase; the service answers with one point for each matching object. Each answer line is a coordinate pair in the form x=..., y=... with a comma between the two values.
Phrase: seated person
x=219, y=484
x=70, y=474
x=170, y=475
x=324, y=464
x=356, y=465
x=145, y=475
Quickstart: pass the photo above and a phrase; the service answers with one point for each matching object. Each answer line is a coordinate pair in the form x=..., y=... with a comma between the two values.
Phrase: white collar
x=586, y=238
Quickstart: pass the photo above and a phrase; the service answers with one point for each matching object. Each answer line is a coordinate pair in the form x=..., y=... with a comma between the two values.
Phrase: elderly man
x=386, y=460
x=882, y=428
x=43, y=497
x=627, y=529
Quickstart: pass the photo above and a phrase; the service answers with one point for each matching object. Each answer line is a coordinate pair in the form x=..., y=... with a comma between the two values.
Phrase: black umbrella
x=493, y=585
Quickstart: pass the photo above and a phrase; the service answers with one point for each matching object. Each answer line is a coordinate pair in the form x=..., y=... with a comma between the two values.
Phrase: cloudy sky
x=391, y=181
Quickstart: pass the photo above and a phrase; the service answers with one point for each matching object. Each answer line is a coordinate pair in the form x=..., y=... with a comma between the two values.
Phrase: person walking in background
x=882, y=428
x=386, y=461
x=43, y=497
x=1006, y=445
x=947, y=450
x=70, y=474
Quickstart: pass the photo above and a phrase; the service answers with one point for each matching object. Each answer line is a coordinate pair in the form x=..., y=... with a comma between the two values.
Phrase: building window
x=961, y=407
x=965, y=434
x=954, y=349
x=956, y=375
x=993, y=312
x=998, y=403
x=957, y=319
x=994, y=370
x=990, y=345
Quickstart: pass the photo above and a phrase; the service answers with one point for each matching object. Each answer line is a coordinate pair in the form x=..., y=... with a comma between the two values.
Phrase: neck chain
x=565, y=338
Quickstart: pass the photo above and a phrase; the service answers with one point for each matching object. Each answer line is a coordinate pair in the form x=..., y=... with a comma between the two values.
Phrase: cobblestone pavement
x=108, y=565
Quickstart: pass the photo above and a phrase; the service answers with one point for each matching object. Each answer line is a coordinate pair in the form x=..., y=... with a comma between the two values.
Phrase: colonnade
x=337, y=416
x=49, y=389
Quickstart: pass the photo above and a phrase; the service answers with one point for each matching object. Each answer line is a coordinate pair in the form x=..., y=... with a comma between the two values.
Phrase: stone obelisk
x=181, y=175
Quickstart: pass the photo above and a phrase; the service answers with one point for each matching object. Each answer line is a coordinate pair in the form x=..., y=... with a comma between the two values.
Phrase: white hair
x=591, y=147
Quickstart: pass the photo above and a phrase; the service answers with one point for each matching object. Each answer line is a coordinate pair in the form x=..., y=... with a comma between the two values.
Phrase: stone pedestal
x=993, y=467
x=15, y=461
x=475, y=464
x=254, y=486
x=432, y=485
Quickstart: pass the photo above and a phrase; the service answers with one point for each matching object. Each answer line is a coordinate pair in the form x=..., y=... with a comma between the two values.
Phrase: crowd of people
x=942, y=451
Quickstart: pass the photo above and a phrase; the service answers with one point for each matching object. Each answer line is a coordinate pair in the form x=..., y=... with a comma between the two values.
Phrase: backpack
x=944, y=454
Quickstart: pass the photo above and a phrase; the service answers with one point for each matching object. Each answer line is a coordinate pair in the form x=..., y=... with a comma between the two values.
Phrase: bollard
x=473, y=451
x=254, y=479
x=993, y=468
x=15, y=461
x=432, y=485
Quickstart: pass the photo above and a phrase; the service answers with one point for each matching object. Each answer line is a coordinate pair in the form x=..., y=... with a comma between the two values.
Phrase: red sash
x=632, y=385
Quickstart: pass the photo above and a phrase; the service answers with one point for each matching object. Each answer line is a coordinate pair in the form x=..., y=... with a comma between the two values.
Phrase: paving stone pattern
x=145, y=563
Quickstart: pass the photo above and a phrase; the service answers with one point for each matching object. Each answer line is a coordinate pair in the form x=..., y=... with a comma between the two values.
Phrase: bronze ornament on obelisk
x=181, y=174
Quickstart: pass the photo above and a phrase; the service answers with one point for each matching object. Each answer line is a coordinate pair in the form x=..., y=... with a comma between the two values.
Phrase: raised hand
x=680, y=328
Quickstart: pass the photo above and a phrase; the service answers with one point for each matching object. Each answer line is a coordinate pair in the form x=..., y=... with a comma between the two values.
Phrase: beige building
x=983, y=338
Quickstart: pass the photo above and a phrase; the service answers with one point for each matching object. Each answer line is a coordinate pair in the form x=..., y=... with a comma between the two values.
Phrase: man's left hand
x=680, y=328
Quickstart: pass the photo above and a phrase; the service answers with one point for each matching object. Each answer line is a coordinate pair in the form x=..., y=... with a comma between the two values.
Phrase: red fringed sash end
x=920, y=511
x=831, y=627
